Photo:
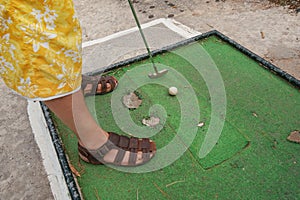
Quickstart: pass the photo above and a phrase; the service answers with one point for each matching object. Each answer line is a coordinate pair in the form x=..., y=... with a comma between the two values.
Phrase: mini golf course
x=247, y=106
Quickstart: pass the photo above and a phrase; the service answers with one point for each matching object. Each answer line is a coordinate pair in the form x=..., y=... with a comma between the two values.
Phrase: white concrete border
x=173, y=25
x=39, y=125
x=50, y=160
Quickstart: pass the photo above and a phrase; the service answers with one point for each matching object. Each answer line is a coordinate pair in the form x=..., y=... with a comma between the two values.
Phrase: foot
x=98, y=85
x=120, y=150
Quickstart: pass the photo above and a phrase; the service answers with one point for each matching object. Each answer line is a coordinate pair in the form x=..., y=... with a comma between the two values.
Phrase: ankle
x=94, y=142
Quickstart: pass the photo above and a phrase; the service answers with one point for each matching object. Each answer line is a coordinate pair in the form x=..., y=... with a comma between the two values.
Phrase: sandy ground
x=270, y=31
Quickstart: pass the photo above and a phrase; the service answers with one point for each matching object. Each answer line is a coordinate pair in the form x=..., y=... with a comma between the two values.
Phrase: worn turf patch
x=251, y=158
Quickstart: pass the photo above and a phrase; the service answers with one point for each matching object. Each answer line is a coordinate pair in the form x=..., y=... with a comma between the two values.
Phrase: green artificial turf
x=251, y=159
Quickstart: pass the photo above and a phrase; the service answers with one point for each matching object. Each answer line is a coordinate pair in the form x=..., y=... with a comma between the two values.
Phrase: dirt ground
x=271, y=31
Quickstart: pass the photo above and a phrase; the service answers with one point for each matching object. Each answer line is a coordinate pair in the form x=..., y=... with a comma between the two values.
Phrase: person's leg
x=48, y=64
x=74, y=113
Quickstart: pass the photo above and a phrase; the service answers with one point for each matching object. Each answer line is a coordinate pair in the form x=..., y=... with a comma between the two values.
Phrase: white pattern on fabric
x=40, y=48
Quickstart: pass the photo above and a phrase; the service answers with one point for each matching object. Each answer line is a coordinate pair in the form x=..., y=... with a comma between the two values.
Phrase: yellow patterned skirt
x=40, y=48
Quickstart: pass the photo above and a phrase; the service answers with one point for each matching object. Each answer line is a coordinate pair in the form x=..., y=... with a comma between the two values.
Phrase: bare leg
x=74, y=113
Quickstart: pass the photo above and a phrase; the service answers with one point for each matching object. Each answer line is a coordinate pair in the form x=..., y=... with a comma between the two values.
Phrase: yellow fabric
x=40, y=47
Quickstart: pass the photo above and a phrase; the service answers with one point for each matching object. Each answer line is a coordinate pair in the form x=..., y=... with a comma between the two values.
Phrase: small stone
x=254, y=114
x=201, y=124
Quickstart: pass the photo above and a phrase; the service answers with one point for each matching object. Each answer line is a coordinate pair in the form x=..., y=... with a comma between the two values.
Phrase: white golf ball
x=173, y=91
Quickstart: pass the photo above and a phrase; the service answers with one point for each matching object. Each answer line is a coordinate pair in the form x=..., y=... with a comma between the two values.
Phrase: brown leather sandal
x=95, y=81
x=122, y=144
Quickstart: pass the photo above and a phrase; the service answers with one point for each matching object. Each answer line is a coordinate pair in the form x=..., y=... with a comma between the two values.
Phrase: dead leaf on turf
x=132, y=101
x=294, y=137
x=152, y=121
x=74, y=171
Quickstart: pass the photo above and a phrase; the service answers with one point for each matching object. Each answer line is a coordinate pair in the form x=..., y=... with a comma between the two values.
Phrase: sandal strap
x=133, y=144
x=84, y=81
x=119, y=157
x=104, y=80
x=95, y=81
x=132, y=158
x=145, y=145
x=89, y=157
x=121, y=143
x=90, y=80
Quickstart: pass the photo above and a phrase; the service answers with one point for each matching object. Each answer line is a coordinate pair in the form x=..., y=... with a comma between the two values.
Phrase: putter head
x=158, y=74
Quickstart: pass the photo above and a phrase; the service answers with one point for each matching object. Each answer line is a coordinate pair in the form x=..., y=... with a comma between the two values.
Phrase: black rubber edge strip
x=70, y=181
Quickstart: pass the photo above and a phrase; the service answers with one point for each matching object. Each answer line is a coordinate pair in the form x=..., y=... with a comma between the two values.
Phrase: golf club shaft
x=142, y=34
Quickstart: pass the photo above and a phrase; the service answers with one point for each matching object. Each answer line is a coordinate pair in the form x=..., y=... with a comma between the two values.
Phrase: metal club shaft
x=157, y=73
